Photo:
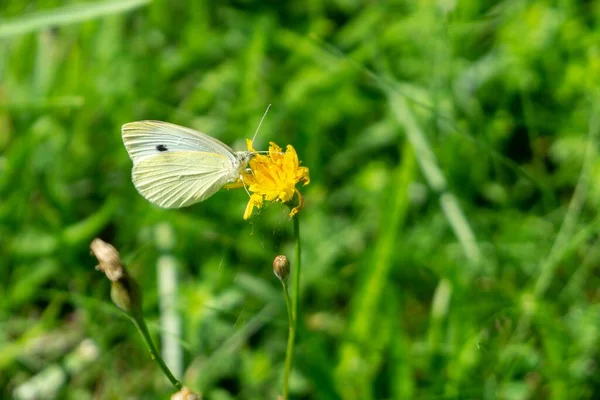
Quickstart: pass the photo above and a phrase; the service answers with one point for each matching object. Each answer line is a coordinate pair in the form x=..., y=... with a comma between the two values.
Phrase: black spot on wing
x=161, y=147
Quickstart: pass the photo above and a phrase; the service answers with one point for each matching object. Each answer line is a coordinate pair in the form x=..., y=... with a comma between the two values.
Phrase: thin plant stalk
x=289, y=357
x=140, y=324
x=293, y=310
x=297, y=270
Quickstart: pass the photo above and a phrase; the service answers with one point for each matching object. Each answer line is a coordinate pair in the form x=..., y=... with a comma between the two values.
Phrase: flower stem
x=293, y=310
x=140, y=324
x=296, y=294
x=290, y=345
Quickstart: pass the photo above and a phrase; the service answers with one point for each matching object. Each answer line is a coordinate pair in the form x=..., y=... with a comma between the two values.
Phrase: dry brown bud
x=109, y=260
x=186, y=394
x=124, y=291
x=281, y=267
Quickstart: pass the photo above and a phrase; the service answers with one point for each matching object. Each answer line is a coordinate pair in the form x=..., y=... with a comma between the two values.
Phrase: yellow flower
x=273, y=177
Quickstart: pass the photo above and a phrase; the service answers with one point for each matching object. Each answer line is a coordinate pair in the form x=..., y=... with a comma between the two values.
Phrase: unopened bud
x=186, y=394
x=281, y=268
x=126, y=294
x=124, y=291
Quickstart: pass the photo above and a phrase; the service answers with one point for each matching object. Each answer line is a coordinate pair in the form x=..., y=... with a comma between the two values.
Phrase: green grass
x=450, y=234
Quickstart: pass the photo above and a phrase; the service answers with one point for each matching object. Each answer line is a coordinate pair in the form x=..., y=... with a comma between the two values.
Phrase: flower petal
x=300, y=205
x=255, y=201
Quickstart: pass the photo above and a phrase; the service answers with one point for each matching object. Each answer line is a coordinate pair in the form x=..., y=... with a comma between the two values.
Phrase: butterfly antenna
x=260, y=123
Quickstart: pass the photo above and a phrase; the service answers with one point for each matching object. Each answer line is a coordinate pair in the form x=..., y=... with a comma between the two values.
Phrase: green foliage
x=450, y=234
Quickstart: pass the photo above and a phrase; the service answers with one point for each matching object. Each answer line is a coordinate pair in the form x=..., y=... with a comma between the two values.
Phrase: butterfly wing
x=179, y=179
x=146, y=139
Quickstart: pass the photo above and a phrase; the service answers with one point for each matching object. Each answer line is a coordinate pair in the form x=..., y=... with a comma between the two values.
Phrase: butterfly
x=174, y=166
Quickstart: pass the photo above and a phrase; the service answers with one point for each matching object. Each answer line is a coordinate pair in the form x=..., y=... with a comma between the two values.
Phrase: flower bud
x=281, y=267
x=126, y=294
x=186, y=394
x=124, y=291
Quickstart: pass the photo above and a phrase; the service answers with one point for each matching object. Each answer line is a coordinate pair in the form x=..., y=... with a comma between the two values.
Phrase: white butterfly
x=175, y=166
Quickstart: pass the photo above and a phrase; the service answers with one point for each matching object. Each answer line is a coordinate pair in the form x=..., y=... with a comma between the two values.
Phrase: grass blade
x=66, y=15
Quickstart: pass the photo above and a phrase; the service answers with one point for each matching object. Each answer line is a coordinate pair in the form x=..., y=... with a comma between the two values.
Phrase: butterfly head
x=244, y=157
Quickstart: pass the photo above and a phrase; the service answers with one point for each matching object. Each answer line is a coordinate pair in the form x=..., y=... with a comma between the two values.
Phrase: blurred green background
x=450, y=234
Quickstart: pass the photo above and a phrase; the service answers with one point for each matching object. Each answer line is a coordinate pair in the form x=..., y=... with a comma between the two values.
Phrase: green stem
x=140, y=324
x=290, y=345
x=296, y=294
x=293, y=311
